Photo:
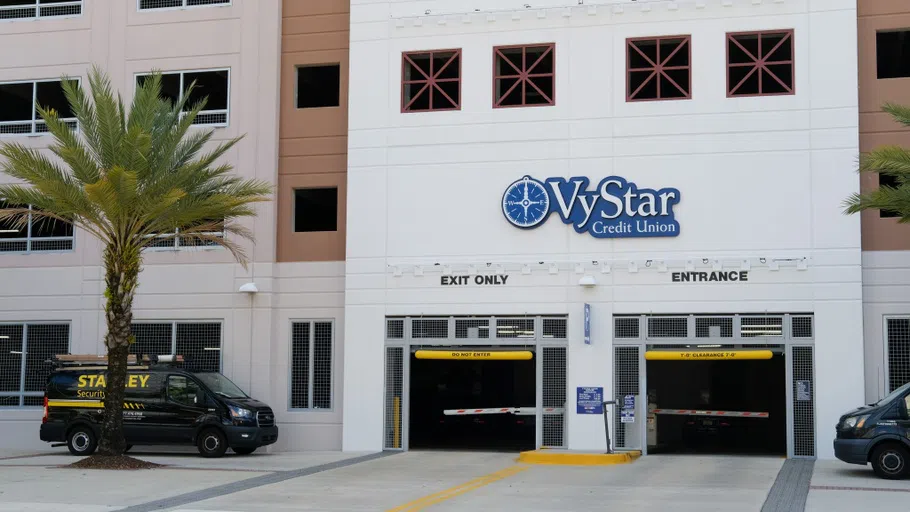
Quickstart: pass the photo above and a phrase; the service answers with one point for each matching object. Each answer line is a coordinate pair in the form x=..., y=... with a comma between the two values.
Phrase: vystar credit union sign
x=616, y=208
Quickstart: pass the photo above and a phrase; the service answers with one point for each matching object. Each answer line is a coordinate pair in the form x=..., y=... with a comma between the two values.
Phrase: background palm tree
x=131, y=179
x=887, y=161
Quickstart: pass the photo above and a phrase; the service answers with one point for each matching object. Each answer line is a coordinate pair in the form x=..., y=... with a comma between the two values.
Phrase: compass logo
x=616, y=208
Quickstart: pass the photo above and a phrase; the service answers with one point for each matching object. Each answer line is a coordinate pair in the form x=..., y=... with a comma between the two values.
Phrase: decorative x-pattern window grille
x=24, y=348
x=431, y=81
x=24, y=9
x=659, y=68
x=760, y=63
x=524, y=76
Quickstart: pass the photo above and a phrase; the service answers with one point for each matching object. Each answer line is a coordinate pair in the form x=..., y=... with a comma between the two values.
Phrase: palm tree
x=888, y=161
x=132, y=179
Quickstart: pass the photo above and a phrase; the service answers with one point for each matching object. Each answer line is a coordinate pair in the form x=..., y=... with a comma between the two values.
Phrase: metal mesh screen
x=625, y=382
x=515, y=328
x=472, y=328
x=555, y=328
x=554, y=395
x=801, y=326
x=803, y=403
x=394, y=329
x=198, y=342
x=722, y=327
x=626, y=328
x=49, y=8
x=322, y=366
x=24, y=348
x=200, y=345
x=39, y=9
x=170, y=4
x=898, y=335
x=429, y=328
x=300, y=365
x=763, y=326
x=668, y=327
x=394, y=380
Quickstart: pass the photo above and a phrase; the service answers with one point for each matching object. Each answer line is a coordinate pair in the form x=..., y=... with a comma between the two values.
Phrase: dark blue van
x=879, y=434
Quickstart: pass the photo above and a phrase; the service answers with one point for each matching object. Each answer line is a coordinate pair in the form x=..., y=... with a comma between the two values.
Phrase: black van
x=163, y=404
x=878, y=433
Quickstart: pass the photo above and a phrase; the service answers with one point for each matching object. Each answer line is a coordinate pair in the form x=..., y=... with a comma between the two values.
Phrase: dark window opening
x=214, y=86
x=315, y=209
x=892, y=54
x=18, y=106
x=319, y=86
x=760, y=63
x=431, y=81
x=659, y=69
x=886, y=180
x=524, y=76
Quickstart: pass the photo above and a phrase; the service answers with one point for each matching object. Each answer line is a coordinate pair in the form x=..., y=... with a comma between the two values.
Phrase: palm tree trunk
x=121, y=278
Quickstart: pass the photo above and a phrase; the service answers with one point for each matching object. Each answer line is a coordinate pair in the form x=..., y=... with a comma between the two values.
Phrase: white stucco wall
x=759, y=177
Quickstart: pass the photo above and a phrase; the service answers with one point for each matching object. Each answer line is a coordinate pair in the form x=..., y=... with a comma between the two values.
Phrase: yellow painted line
x=489, y=355
x=707, y=355
x=577, y=459
x=96, y=404
x=439, y=497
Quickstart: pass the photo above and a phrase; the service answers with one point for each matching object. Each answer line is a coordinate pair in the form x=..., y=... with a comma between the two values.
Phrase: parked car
x=163, y=404
x=879, y=434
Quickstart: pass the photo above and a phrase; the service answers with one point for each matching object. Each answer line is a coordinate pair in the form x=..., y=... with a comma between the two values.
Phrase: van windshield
x=894, y=394
x=220, y=385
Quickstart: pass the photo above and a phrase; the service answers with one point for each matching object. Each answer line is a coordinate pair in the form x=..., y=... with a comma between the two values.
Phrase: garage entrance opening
x=723, y=401
x=481, y=398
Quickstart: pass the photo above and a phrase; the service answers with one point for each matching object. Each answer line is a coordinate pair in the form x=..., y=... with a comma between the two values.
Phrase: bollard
x=607, y=424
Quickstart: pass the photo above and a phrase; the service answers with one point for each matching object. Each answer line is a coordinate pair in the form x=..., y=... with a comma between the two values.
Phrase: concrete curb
x=567, y=458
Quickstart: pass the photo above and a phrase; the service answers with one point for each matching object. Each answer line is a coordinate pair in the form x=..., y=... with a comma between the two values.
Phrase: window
x=311, y=365
x=897, y=335
x=198, y=342
x=211, y=84
x=886, y=180
x=18, y=100
x=147, y=5
x=760, y=63
x=524, y=76
x=184, y=391
x=24, y=348
x=431, y=81
x=892, y=54
x=319, y=86
x=659, y=68
x=315, y=209
x=21, y=9
x=172, y=241
x=38, y=236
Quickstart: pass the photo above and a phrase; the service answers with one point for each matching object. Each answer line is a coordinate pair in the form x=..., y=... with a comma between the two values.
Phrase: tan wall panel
x=313, y=142
x=877, y=128
x=323, y=246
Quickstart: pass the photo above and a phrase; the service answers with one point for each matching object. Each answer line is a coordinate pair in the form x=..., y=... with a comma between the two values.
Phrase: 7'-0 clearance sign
x=707, y=355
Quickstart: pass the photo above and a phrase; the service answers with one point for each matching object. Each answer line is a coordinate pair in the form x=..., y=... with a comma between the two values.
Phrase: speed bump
x=568, y=458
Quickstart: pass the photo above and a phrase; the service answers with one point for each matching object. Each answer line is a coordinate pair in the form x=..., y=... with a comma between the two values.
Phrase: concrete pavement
x=431, y=480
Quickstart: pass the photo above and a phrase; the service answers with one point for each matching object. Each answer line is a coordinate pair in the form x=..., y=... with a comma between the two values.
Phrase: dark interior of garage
x=725, y=385
x=437, y=385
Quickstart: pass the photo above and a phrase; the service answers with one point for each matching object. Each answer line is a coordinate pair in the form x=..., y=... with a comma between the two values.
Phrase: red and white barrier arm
x=699, y=412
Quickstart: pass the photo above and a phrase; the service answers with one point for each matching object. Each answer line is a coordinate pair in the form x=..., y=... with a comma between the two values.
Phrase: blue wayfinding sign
x=589, y=400
x=587, y=324
x=616, y=208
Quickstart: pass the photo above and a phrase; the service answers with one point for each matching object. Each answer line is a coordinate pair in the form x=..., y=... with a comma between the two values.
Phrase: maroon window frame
x=761, y=63
x=659, y=68
x=524, y=75
x=431, y=80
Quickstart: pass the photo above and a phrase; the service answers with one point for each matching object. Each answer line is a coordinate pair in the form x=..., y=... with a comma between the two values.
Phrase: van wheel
x=890, y=461
x=211, y=443
x=81, y=441
x=244, y=451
